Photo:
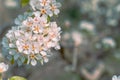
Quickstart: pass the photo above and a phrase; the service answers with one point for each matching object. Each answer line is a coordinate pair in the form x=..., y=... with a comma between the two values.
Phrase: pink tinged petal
x=43, y=53
x=33, y=62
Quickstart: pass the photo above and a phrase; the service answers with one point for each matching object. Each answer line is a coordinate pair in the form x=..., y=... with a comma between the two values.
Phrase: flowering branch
x=31, y=40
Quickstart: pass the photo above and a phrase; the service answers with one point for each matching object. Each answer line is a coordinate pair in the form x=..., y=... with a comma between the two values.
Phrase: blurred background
x=90, y=43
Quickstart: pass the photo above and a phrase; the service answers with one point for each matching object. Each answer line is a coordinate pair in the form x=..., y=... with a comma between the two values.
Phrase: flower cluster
x=46, y=7
x=3, y=67
x=32, y=39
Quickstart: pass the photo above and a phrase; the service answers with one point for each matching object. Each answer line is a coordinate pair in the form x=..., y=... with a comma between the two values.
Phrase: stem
x=1, y=76
x=75, y=59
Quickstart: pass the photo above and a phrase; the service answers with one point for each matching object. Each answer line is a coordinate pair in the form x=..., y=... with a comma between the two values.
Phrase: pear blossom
x=3, y=67
x=54, y=8
x=32, y=58
x=115, y=77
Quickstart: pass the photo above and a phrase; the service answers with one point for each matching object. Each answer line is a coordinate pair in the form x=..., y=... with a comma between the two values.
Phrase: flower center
x=53, y=7
x=36, y=28
x=29, y=24
x=44, y=2
x=25, y=47
x=32, y=56
x=43, y=11
x=33, y=47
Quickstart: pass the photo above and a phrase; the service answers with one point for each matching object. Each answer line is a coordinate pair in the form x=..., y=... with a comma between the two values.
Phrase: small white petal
x=43, y=53
x=57, y=11
x=33, y=62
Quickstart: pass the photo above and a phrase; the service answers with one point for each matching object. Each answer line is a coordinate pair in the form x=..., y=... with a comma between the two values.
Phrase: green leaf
x=16, y=56
x=48, y=18
x=12, y=61
x=24, y=3
x=22, y=59
x=26, y=60
x=17, y=78
x=19, y=63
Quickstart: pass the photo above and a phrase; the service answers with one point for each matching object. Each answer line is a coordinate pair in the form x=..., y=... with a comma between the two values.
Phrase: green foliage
x=17, y=78
x=24, y=3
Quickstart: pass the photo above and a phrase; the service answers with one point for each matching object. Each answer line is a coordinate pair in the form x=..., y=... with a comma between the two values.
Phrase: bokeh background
x=90, y=43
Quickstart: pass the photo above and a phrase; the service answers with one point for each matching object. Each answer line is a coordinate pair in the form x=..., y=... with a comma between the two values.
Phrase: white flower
x=115, y=77
x=32, y=58
x=46, y=11
x=54, y=8
x=87, y=26
x=109, y=41
x=3, y=67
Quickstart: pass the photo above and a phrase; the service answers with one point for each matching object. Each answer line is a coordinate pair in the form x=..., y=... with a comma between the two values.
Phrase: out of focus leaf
x=24, y=3
x=12, y=61
x=16, y=56
x=17, y=78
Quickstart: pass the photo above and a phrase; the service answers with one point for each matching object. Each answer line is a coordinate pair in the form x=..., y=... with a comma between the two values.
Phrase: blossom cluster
x=46, y=7
x=32, y=39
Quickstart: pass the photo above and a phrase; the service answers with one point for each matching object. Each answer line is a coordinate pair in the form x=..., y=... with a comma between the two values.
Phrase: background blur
x=90, y=44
